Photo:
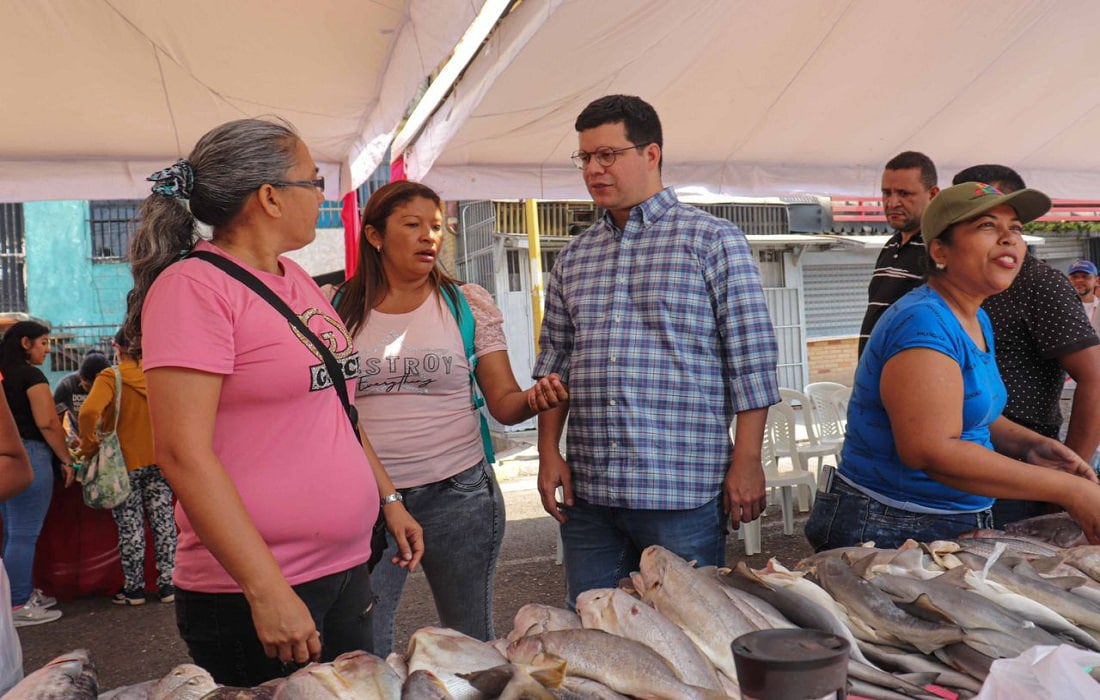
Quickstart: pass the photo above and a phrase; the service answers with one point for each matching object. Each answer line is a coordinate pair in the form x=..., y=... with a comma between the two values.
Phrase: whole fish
x=912, y=662
x=809, y=615
x=965, y=609
x=799, y=609
x=67, y=676
x=863, y=600
x=448, y=653
x=761, y=613
x=1022, y=606
x=1074, y=608
x=696, y=604
x=624, y=665
x=983, y=542
x=616, y=612
x=1057, y=529
x=355, y=674
x=798, y=582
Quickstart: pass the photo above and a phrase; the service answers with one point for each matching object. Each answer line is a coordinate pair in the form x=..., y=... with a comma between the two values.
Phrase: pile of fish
x=923, y=615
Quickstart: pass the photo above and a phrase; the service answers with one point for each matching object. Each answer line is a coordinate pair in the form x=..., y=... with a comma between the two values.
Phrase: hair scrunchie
x=176, y=181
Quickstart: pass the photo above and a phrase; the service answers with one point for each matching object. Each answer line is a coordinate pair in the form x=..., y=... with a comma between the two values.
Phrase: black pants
x=220, y=635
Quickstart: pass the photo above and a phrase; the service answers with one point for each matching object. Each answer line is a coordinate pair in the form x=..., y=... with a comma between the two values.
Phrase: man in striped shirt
x=656, y=320
x=908, y=185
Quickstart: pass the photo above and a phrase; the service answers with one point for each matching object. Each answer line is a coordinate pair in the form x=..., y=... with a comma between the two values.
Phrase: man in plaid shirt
x=655, y=318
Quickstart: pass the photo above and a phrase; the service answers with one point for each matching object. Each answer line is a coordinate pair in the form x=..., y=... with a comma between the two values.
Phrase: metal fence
x=69, y=345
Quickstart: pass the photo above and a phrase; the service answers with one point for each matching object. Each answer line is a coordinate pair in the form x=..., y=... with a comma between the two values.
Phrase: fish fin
x=1066, y=583
x=862, y=567
x=1044, y=565
x=550, y=676
x=954, y=577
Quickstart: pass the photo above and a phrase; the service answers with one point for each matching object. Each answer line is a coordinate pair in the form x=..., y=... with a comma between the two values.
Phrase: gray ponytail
x=227, y=165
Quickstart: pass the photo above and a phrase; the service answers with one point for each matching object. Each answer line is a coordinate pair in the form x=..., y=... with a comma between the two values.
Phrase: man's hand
x=554, y=472
x=744, y=492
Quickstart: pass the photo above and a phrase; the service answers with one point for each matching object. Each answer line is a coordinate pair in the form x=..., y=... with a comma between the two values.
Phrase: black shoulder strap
x=336, y=374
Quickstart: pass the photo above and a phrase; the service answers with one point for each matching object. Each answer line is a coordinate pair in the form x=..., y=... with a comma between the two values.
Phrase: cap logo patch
x=983, y=189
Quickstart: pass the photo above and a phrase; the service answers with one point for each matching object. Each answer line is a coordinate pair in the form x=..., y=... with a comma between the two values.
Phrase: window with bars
x=110, y=221
x=13, y=290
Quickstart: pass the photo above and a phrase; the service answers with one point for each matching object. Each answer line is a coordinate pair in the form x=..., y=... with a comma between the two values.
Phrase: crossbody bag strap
x=336, y=374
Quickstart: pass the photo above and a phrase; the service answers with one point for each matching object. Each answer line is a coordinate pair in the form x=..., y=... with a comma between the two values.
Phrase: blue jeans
x=23, y=516
x=221, y=637
x=463, y=521
x=844, y=517
x=602, y=544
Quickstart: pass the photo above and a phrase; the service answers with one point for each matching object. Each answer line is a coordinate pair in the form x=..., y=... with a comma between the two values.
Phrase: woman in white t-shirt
x=277, y=497
x=414, y=395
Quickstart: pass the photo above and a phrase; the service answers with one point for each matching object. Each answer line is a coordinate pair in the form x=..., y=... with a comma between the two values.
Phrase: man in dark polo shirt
x=908, y=185
x=1041, y=332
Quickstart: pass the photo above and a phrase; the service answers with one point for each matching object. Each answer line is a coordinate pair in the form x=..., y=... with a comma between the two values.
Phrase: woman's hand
x=548, y=392
x=1054, y=455
x=285, y=627
x=408, y=534
x=68, y=473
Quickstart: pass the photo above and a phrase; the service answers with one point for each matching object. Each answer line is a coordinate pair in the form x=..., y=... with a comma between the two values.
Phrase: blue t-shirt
x=920, y=319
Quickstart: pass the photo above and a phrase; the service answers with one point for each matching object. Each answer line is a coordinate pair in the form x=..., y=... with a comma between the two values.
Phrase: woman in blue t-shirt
x=927, y=449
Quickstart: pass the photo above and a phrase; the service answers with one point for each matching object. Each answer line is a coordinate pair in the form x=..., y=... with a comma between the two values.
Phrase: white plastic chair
x=780, y=425
x=829, y=421
x=811, y=447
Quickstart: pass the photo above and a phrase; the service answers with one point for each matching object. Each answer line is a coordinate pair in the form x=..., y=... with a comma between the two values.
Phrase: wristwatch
x=394, y=497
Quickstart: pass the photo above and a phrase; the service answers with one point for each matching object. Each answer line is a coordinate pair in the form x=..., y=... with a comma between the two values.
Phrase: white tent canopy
x=100, y=93
x=777, y=97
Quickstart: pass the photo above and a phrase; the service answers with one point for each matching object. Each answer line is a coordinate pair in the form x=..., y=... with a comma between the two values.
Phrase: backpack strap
x=464, y=316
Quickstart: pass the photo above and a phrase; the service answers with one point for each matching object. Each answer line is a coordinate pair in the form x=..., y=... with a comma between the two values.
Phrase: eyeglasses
x=604, y=156
x=319, y=183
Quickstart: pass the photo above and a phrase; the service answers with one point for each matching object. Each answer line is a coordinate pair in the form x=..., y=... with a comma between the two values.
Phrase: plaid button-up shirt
x=662, y=334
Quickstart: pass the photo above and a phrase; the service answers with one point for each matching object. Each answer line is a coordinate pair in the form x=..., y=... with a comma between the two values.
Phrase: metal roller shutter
x=835, y=298
x=1057, y=249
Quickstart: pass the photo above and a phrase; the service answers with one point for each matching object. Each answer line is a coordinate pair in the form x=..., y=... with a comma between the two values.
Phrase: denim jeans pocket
x=473, y=479
x=820, y=522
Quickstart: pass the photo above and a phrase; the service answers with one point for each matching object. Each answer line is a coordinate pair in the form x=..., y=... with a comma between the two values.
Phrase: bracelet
x=394, y=497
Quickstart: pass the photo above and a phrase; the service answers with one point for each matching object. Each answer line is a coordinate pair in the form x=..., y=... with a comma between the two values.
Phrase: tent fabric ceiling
x=779, y=97
x=100, y=93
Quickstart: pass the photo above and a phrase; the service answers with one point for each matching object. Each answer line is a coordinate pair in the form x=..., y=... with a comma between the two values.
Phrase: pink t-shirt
x=280, y=431
x=413, y=392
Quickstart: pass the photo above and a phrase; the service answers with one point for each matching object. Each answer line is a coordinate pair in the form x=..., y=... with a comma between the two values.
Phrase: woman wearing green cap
x=927, y=449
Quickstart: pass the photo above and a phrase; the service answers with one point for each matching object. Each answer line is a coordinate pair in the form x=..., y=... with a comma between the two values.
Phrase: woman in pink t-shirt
x=277, y=497
x=414, y=395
